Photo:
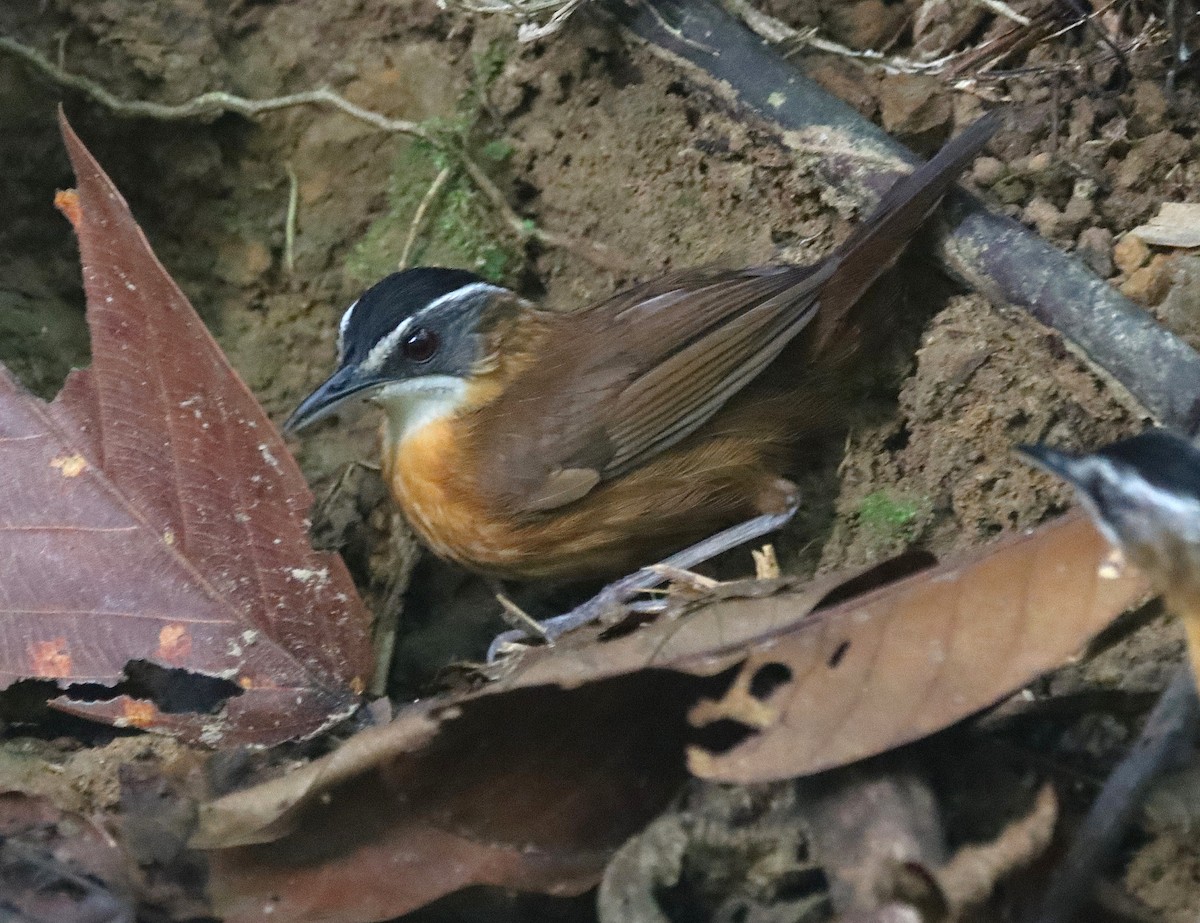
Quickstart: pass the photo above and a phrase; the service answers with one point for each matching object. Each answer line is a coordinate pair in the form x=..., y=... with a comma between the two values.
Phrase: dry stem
x=289, y=228
x=414, y=229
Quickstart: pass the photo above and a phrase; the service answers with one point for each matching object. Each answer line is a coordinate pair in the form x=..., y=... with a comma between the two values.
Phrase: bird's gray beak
x=340, y=387
x=1052, y=460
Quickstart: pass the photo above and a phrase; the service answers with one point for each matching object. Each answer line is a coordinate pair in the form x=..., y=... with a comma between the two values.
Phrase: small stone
x=1130, y=253
x=988, y=171
x=539, y=139
x=1044, y=216
x=1020, y=165
x=1040, y=163
x=1153, y=156
x=913, y=104
x=1095, y=247
x=1081, y=124
x=1010, y=191
x=1077, y=213
x=866, y=24
x=1150, y=284
x=1149, y=106
x=508, y=96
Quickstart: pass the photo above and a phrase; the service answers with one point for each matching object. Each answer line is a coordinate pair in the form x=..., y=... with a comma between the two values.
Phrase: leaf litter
x=544, y=749
x=151, y=514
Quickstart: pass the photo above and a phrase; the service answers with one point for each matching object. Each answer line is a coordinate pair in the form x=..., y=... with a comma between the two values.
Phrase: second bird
x=528, y=444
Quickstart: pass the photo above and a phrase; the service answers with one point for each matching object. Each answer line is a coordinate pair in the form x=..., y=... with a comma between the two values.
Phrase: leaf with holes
x=531, y=780
x=911, y=658
x=151, y=517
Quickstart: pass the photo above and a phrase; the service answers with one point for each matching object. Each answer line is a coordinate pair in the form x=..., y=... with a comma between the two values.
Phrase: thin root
x=418, y=220
x=213, y=104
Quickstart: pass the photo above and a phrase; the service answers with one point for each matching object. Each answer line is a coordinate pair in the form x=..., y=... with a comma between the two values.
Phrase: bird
x=1143, y=494
x=535, y=445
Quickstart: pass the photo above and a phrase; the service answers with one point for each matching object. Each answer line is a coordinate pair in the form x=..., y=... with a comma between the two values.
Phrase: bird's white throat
x=416, y=402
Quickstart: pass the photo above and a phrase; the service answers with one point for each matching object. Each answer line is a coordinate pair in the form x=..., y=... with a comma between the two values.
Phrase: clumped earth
x=595, y=138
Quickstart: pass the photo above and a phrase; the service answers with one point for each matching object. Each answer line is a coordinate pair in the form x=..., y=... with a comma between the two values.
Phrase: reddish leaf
x=530, y=780
x=530, y=790
x=152, y=513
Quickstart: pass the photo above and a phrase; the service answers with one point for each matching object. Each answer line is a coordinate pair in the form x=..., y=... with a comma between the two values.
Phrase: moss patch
x=458, y=228
x=889, y=518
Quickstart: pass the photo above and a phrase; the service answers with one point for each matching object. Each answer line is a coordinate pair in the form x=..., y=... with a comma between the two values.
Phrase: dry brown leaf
x=152, y=514
x=59, y=867
x=532, y=790
x=912, y=658
x=532, y=780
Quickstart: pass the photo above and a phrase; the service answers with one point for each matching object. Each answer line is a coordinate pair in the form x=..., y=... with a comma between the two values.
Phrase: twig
x=218, y=102
x=525, y=12
x=687, y=40
x=414, y=229
x=289, y=227
x=532, y=32
x=1171, y=726
x=778, y=33
x=214, y=103
x=520, y=8
x=520, y=619
x=1092, y=23
x=1006, y=11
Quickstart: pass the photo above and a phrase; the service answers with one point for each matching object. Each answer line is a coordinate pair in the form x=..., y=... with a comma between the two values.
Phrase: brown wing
x=621, y=381
x=625, y=379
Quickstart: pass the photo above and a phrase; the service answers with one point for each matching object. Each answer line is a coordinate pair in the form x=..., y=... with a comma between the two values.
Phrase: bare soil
x=595, y=137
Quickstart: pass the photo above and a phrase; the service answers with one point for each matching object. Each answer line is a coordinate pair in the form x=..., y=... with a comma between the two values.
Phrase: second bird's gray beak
x=340, y=387
x=1052, y=460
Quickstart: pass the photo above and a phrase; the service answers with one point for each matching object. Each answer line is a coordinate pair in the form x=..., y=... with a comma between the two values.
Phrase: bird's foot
x=617, y=595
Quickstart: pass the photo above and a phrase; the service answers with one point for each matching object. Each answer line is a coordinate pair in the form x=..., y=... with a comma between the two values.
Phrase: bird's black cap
x=386, y=303
x=1158, y=456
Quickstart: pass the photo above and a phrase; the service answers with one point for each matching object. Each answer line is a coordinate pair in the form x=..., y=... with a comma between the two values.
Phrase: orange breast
x=425, y=472
x=703, y=484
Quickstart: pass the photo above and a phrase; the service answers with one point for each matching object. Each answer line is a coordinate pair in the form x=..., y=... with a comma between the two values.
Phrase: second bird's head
x=410, y=343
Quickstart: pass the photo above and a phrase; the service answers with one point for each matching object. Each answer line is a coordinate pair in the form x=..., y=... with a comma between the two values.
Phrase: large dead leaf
x=911, y=658
x=524, y=790
x=152, y=513
x=529, y=781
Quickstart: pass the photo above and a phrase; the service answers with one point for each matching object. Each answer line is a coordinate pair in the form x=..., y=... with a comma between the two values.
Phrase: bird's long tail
x=878, y=242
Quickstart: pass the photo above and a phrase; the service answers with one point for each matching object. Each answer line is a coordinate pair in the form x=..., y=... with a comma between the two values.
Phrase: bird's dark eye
x=421, y=344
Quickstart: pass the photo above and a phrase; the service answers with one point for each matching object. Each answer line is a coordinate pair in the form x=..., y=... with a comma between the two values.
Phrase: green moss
x=488, y=67
x=889, y=518
x=498, y=150
x=459, y=229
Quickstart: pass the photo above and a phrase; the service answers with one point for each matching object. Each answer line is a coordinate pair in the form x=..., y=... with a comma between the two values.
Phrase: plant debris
x=152, y=515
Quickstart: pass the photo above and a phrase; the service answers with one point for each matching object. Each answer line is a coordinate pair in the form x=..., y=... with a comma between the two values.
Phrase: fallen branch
x=999, y=256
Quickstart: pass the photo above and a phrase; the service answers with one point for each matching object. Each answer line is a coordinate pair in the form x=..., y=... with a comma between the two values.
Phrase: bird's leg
x=616, y=594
